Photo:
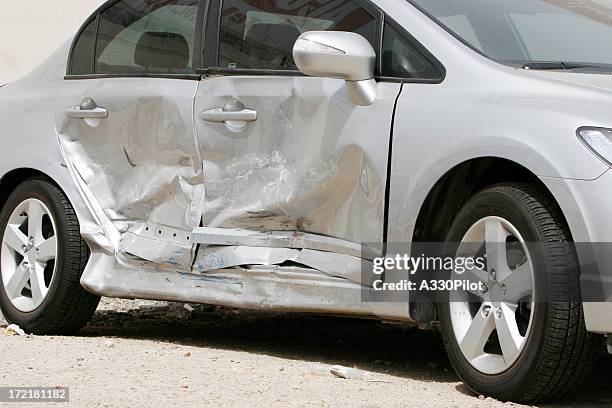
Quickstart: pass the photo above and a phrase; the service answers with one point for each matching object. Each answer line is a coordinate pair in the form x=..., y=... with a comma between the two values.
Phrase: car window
x=258, y=34
x=519, y=32
x=143, y=36
x=461, y=25
x=82, y=52
x=402, y=60
x=547, y=45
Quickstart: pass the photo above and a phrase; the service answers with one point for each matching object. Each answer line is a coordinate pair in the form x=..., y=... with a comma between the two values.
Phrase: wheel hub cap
x=28, y=254
x=492, y=325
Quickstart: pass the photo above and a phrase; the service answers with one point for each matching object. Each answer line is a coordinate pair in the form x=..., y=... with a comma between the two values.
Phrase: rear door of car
x=125, y=125
x=308, y=169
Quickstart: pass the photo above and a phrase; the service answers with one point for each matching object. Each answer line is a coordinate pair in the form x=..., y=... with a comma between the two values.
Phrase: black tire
x=559, y=353
x=67, y=306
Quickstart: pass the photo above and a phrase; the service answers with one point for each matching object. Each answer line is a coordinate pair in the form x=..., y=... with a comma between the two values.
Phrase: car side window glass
x=259, y=34
x=401, y=59
x=143, y=36
x=82, y=51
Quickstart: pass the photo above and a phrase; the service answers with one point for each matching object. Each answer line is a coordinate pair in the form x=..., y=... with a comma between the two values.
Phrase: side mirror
x=339, y=54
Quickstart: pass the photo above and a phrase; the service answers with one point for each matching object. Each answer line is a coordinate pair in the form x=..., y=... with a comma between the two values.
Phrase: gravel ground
x=142, y=353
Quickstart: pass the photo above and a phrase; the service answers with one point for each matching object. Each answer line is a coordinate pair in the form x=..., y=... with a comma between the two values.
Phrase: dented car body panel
x=312, y=162
x=140, y=163
x=272, y=214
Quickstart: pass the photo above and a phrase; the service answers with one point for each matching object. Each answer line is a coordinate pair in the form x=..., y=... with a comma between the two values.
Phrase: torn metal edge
x=280, y=239
x=333, y=264
x=108, y=229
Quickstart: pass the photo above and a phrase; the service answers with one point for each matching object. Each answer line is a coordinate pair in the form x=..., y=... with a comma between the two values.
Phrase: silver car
x=267, y=154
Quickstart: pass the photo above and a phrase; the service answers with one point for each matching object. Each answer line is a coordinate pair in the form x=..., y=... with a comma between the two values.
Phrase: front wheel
x=522, y=337
x=42, y=257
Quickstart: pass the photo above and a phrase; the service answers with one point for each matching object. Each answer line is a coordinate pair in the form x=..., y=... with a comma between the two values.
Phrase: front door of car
x=125, y=124
x=302, y=157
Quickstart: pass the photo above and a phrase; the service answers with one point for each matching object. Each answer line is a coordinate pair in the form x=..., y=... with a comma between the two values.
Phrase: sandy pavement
x=158, y=354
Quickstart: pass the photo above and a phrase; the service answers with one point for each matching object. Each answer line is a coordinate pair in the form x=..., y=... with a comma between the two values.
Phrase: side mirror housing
x=339, y=54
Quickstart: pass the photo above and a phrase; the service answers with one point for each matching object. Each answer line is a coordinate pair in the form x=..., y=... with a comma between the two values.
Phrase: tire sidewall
x=46, y=193
x=516, y=378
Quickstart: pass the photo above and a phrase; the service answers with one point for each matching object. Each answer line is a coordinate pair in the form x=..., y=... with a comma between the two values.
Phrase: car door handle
x=78, y=113
x=88, y=109
x=232, y=111
x=218, y=115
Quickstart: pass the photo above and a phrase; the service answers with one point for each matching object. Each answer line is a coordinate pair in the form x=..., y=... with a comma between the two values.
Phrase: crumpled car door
x=138, y=168
x=304, y=181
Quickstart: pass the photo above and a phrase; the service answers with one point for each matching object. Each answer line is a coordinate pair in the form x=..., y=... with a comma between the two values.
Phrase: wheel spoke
x=14, y=238
x=508, y=333
x=495, y=241
x=35, y=216
x=37, y=284
x=17, y=282
x=477, y=334
x=518, y=283
x=47, y=250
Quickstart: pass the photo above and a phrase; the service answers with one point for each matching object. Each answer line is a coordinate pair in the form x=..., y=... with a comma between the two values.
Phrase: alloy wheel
x=28, y=255
x=492, y=324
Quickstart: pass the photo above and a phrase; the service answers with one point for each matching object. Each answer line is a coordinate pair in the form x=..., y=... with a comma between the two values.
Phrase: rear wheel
x=522, y=337
x=42, y=257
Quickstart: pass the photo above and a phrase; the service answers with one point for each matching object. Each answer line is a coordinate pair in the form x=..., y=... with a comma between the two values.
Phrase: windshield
x=570, y=33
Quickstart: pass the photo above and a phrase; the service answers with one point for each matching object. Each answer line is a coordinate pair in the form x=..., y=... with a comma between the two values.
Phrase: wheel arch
x=12, y=179
x=458, y=185
x=451, y=192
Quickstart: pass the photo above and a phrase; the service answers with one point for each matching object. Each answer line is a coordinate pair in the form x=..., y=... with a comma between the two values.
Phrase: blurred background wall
x=31, y=30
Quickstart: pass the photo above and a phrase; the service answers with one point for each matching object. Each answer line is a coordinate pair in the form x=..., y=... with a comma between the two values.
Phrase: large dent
x=312, y=162
x=141, y=163
x=139, y=169
x=285, y=203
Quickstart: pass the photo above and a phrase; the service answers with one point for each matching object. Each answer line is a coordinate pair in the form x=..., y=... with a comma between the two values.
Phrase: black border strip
x=198, y=42
x=139, y=75
x=291, y=73
x=420, y=48
x=247, y=72
x=96, y=15
x=80, y=31
x=389, y=168
x=95, y=44
x=213, y=23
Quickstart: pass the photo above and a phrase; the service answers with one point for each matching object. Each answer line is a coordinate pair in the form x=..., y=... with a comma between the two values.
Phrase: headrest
x=162, y=50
